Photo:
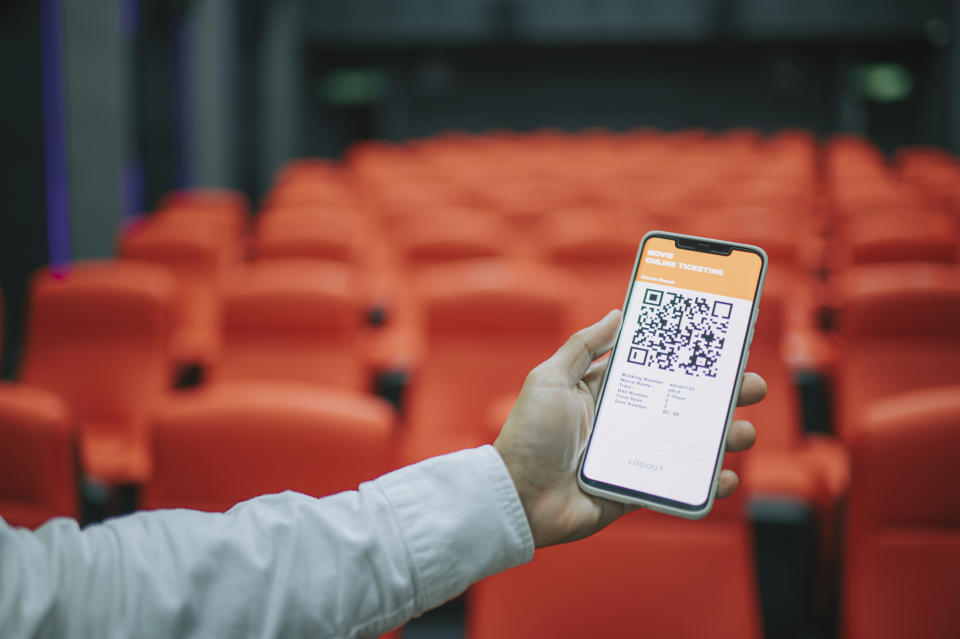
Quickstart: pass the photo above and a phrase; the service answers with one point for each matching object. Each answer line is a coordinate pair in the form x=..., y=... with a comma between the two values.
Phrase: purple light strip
x=132, y=191
x=131, y=183
x=55, y=136
x=128, y=18
x=182, y=58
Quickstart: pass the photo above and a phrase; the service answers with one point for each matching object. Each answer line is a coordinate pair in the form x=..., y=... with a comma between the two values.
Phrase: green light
x=884, y=82
x=348, y=87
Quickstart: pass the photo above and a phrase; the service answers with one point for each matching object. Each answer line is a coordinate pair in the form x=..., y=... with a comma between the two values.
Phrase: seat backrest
x=233, y=441
x=448, y=235
x=593, y=251
x=636, y=578
x=99, y=337
x=899, y=331
x=193, y=254
x=900, y=235
x=38, y=473
x=224, y=212
x=487, y=324
x=295, y=320
x=192, y=250
x=305, y=233
x=291, y=189
x=903, y=529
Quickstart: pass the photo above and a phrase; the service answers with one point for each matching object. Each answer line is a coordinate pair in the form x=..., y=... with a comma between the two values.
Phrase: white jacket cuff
x=485, y=531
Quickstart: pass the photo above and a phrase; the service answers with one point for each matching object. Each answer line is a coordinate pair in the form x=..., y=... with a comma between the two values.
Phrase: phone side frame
x=685, y=513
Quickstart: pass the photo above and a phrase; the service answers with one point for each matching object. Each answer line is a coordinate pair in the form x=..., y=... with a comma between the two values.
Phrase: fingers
x=594, y=376
x=753, y=388
x=741, y=436
x=728, y=483
x=573, y=359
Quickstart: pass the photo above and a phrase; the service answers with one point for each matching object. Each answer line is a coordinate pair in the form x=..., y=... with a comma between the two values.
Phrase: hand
x=546, y=431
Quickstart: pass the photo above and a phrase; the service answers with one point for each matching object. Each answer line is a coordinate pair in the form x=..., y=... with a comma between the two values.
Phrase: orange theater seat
x=335, y=234
x=450, y=234
x=525, y=201
x=215, y=447
x=224, y=210
x=487, y=323
x=193, y=255
x=899, y=236
x=38, y=473
x=296, y=320
x=903, y=531
x=348, y=236
x=98, y=336
x=862, y=196
x=786, y=461
x=229, y=233
x=315, y=195
x=399, y=197
x=788, y=465
x=647, y=575
x=899, y=331
x=933, y=170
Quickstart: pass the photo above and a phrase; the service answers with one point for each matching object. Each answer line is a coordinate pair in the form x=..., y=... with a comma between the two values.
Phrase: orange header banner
x=733, y=275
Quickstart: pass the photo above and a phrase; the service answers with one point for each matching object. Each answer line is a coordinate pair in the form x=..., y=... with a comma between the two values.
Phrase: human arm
x=351, y=565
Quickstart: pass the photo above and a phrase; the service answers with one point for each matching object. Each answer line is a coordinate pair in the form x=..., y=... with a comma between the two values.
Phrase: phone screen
x=670, y=383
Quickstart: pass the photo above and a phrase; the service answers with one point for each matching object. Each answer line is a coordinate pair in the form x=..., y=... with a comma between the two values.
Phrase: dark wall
x=415, y=67
x=615, y=87
x=480, y=64
x=155, y=98
x=23, y=241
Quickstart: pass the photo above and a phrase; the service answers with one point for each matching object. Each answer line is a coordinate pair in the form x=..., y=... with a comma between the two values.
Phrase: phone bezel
x=649, y=500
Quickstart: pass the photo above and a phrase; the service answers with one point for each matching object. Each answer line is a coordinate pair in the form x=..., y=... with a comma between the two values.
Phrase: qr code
x=680, y=333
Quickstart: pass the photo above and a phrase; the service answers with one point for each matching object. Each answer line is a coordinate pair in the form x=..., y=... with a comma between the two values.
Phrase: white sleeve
x=354, y=564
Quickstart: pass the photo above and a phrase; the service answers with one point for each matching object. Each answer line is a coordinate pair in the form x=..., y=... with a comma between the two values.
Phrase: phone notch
x=703, y=246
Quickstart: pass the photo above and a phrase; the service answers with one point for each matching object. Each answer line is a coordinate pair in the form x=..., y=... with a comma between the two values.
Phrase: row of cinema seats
x=897, y=384
x=463, y=261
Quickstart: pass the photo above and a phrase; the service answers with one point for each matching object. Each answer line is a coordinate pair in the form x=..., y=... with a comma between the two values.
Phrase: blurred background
x=213, y=208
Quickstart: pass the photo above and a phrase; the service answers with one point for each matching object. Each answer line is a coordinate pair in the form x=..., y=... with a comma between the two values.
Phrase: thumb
x=573, y=359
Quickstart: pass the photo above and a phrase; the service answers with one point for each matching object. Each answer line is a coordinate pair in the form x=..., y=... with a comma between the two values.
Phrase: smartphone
x=667, y=400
